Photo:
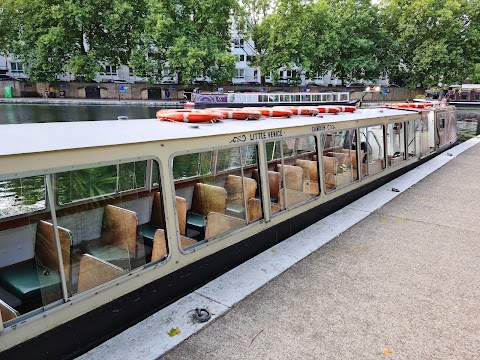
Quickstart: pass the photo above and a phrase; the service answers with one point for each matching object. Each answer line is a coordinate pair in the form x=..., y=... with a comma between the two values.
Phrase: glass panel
x=191, y=165
x=220, y=201
x=372, y=144
x=29, y=266
x=395, y=143
x=339, y=159
x=293, y=172
x=22, y=195
x=413, y=138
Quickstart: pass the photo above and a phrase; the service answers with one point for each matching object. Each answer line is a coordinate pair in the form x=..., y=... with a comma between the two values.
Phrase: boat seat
x=8, y=313
x=159, y=250
x=40, y=277
x=309, y=167
x=118, y=239
x=293, y=176
x=354, y=156
x=254, y=209
x=274, y=183
x=238, y=193
x=9, y=298
x=311, y=187
x=157, y=219
x=343, y=158
x=218, y=223
x=206, y=198
x=293, y=197
x=94, y=271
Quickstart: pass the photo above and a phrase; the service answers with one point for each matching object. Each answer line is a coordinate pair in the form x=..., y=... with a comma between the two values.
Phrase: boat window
x=339, y=158
x=22, y=195
x=292, y=171
x=372, y=143
x=273, y=98
x=80, y=185
x=192, y=165
x=220, y=201
x=111, y=232
x=262, y=98
x=343, y=96
x=395, y=143
x=464, y=96
x=305, y=98
x=413, y=138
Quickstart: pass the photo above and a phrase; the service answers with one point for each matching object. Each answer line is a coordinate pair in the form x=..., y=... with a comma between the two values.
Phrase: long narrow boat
x=104, y=223
x=205, y=99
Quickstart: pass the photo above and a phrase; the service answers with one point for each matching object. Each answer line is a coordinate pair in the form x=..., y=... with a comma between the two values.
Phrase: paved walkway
x=397, y=277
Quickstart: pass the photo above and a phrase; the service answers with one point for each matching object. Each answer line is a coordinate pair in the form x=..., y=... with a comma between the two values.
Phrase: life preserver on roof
x=239, y=114
x=196, y=116
x=328, y=109
x=412, y=105
x=273, y=112
x=300, y=110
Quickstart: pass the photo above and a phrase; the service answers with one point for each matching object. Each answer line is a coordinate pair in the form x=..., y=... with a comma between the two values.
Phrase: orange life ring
x=347, y=108
x=190, y=116
x=328, y=109
x=412, y=105
x=300, y=110
x=239, y=113
x=273, y=112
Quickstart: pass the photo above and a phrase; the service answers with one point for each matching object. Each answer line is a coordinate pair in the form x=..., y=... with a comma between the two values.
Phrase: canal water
x=468, y=118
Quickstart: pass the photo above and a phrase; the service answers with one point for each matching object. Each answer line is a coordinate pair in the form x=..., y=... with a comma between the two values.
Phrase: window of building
x=16, y=67
x=239, y=73
x=110, y=70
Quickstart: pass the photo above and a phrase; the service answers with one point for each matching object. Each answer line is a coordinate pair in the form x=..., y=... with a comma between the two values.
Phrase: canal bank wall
x=143, y=91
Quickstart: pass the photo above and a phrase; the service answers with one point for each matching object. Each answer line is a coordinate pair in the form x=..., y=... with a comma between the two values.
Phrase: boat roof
x=44, y=137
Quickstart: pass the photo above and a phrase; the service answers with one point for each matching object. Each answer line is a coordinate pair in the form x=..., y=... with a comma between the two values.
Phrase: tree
x=357, y=49
x=190, y=37
x=52, y=36
x=436, y=41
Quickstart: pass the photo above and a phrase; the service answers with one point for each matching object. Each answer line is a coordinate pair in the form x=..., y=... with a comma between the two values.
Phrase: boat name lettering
x=266, y=135
x=323, y=127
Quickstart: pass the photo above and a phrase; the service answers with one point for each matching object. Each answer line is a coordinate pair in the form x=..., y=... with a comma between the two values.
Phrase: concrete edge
x=149, y=339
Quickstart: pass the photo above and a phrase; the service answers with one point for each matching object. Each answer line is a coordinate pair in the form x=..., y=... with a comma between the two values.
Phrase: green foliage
x=52, y=36
x=435, y=41
x=192, y=36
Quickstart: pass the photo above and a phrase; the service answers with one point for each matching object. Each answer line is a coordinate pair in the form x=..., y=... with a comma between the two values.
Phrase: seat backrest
x=330, y=165
x=94, y=271
x=343, y=158
x=274, y=181
x=8, y=313
x=45, y=253
x=156, y=218
x=293, y=176
x=354, y=156
x=309, y=167
x=311, y=187
x=119, y=228
x=208, y=198
x=293, y=197
x=233, y=185
x=159, y=250
x=220, y=223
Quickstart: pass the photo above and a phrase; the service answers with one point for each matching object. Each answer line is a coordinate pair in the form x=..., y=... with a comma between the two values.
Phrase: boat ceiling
x=44, y=137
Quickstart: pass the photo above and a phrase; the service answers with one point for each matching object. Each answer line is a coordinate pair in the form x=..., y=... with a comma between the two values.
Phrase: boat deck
x=394, y=274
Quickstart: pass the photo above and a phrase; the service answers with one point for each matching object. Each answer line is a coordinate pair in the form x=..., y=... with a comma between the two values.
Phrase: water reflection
x=38, y=113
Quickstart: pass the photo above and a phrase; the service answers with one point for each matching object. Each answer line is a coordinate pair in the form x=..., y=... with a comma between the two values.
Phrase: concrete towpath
x=404, y=283
x=394, y=275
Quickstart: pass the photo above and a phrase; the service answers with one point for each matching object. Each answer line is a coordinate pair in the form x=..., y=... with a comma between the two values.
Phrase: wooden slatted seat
x=353, y=154
x=157, y=218
x=236, y=192
x=293, y=176
x=342, y=157
x=218, y=223
x=40, y=277
x=311, y=187
x=293, y=197
x=309, y=167
x=274, y=183
x=94, y=271
x=8, y=313
x=206, y=199
x=254, y=209
x=118, y=240
x=159, y=250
